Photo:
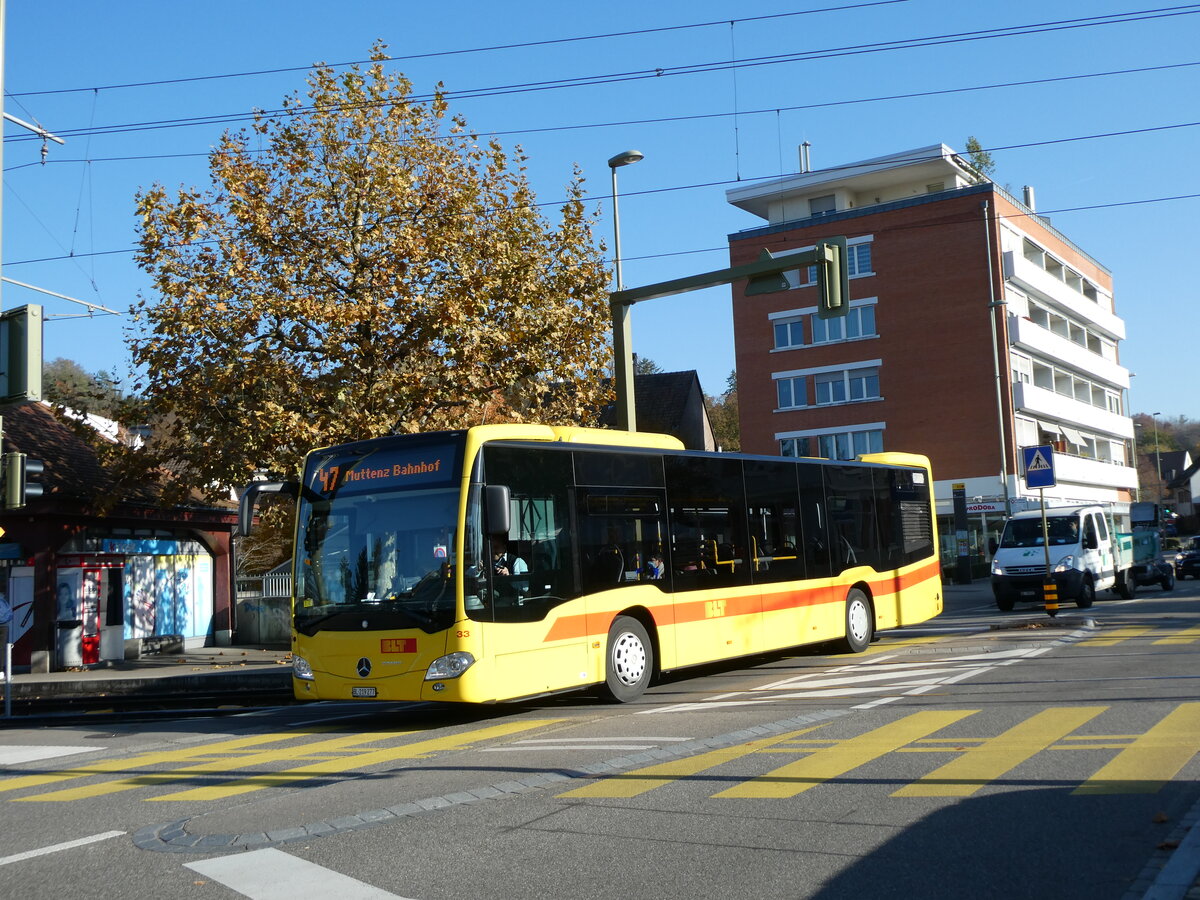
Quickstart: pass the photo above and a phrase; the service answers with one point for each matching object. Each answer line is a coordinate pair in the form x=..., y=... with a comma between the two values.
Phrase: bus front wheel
x=628, y=661
x=859, y=622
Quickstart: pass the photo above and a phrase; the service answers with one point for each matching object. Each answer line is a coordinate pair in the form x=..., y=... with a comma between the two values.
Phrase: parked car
x=1188, y=561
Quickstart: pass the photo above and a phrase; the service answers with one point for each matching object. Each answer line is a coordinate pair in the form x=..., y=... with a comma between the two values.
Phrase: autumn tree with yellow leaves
x=361, y=265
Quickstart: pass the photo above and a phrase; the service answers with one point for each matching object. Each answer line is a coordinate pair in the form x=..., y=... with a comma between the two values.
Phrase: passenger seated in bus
x=655, y=567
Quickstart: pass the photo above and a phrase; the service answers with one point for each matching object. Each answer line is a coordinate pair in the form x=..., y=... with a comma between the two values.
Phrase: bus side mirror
x=250, y=495
x=497, y=499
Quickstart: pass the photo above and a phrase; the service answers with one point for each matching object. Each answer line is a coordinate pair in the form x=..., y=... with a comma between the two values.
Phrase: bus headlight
x=451, y=665
x=1066, y=564
x=997, y=569
x=301, y=669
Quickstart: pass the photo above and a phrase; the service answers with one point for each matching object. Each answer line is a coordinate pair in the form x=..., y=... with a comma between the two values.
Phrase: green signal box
x=21, y=354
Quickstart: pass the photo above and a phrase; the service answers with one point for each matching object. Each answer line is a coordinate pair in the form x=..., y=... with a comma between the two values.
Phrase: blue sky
x=1112, y=156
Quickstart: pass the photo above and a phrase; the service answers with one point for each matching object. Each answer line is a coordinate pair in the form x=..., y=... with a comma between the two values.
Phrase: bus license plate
x=362, y=692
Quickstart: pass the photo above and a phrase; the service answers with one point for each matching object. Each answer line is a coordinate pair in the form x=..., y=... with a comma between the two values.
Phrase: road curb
x=208, y=683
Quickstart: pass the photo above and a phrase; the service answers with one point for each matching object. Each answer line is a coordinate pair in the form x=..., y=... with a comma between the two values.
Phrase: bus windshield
x=376, y=539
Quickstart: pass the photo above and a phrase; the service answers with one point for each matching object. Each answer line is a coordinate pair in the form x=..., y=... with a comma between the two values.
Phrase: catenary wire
x=662, y=120
x=523, y=45
x=588, y=81
x=763, y=179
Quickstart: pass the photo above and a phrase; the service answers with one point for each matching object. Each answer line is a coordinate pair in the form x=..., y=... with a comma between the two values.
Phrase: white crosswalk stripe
x=271, y=874
x=882, y=675
x=15, y=754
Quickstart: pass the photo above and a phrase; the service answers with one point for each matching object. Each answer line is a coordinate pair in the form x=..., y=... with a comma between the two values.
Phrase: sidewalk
x=206, y=671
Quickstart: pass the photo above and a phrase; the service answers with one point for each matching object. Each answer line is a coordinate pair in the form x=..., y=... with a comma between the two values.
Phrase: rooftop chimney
x=1029, y=200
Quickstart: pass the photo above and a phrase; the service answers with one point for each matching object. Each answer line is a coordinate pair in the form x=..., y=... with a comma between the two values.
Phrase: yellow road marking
x=355, y=762
x=1152, y=759
x=1108, y=638
x=153, y=759
x=989, y=760
x=830, y=762
x=262, y=757
x=1184, y=636
x=642, y=780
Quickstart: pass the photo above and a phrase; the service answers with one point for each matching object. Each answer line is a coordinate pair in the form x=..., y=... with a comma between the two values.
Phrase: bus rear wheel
x=860, y=624
x=628, y=660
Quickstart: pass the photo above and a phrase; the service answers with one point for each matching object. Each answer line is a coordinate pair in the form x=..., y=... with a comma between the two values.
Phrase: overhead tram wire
x=1116, y=204
x=660, y=120
x=768, y=178
x=433, y=54
x=635, y=75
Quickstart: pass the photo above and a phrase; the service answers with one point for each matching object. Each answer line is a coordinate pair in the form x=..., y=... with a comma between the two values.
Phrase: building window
x=830, y=387
x=859, y=322
x=864, y=383
x=798, y=278
x=822, y=206
x=1073, y=331
x=790, y=392
x=858, y=264
x=789, y=333
x=847, y=385
x=1022, y=369
x=1068, y=384
x=834, y=444
x=858, y=259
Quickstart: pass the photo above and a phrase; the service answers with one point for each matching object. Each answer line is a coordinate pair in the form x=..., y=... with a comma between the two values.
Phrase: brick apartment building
x=922, y=363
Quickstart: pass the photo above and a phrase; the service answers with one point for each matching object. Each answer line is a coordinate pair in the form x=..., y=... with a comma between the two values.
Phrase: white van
x=1079, y=546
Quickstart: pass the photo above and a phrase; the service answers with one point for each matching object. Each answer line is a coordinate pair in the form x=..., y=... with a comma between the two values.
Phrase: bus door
x=536, y=640
x=718, y=609
x=779, y=554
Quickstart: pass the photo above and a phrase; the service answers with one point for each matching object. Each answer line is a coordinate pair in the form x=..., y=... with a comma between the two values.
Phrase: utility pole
x=36, y=129
x=20, y=330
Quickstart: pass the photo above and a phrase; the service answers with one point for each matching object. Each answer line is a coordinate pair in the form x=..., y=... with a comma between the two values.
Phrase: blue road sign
x=1039, y=466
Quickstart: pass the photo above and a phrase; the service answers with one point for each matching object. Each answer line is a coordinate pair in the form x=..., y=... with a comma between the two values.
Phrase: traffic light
x=18, y=468
x=833, y=278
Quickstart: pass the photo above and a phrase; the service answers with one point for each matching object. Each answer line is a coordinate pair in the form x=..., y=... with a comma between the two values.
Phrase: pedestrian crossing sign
x=1039, y=466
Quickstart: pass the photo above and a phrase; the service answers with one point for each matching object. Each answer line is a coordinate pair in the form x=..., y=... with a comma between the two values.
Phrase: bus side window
x=621, y=532
x=777, y=552
x=707, y=517
x=814, y=520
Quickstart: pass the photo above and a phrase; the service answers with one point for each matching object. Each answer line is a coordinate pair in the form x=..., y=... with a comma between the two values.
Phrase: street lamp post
x=1137, y=463
x=1157, y=458
x=622, y=332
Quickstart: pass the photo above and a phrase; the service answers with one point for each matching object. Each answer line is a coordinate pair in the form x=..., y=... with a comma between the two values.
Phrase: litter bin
x=69, y=642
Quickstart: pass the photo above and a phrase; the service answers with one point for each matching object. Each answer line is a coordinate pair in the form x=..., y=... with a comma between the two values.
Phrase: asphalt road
x=1038, y=758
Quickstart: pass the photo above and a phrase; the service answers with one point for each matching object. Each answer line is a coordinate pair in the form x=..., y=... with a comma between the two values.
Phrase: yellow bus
x=505, y=562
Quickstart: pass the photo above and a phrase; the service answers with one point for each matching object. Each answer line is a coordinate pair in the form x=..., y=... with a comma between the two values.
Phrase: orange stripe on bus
x=574, y=627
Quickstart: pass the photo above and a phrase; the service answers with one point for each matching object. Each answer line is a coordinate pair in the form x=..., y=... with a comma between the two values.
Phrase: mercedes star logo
x=364, y=667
